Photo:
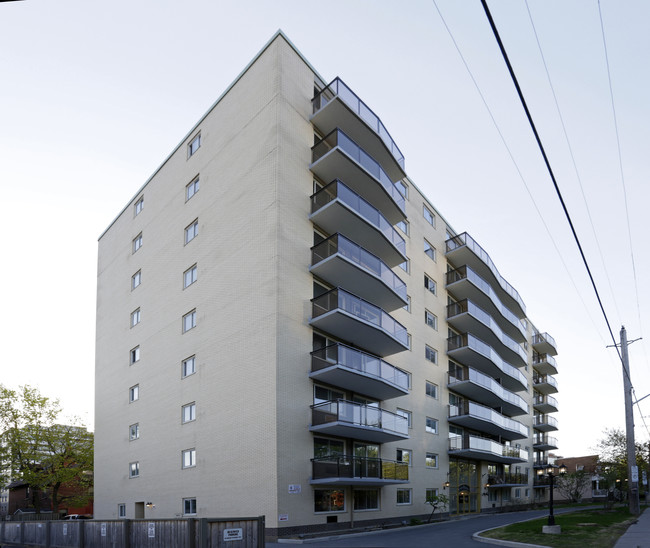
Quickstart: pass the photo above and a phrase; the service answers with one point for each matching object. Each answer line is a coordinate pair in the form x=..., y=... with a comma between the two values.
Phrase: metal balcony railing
x=352, y=467
x=357, y=414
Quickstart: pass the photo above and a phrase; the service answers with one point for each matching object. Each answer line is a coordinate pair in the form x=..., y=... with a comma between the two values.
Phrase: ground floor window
x=493, y=495
x=121, y=510
x=431, y=493
x=403, y=496
x=329, y=500
x=189, y=507
x=366, y=499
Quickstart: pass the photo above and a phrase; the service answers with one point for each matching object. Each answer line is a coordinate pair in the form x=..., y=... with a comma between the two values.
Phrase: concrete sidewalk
x=637, y=534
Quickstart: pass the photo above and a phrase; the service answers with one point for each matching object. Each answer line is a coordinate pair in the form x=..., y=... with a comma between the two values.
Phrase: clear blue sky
x=93, y=96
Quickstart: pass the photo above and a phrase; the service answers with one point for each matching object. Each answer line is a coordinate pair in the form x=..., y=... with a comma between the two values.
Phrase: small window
x=189, y=507
x=431, y=319
x=188, y=412
x=406, y=414
x=135, y=355
x=429, y=216
x=404, y=455
x=189, y=276
x=121, y=510
x=194, y=145
x=366, y=499
x=403, y=188
x=134, y=469
x=134, y=393
x=432, y=390
x=431, y=354
x=329, y=500
x=430, y=284
x=404, y=227
x=431, y=493
x=189, y=321
x=404, y=496
x=136, y=279
x=431, y=460
x=191, y=231
x=189, y=366
x=135, y=317
x=189, y=458
x=134, y=431
x=406, y=266
x=137, y=242
x=518, y=493
x=139, y=205
x=432, y=425
x=407, y=306
x=429, y=250
x=191, y=189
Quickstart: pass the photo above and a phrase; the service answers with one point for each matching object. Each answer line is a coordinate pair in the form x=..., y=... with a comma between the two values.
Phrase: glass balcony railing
x=465, y=239
x=545, y=440
x=507, y=478
x=487, y=382
x=338, y=89
x=338, y=190
x=339, y=299
x=545, y=379
x=339, y=244
x=545, y=400
x=484, y=445
x=339, y=139
x=541, y=338
x=350, y=467
x=466, y=273
x=359, y=361
x=467, y=306
x=545, y=420
x=544, y=358
x=357, y=414
x=468, y=408
x=467, y=340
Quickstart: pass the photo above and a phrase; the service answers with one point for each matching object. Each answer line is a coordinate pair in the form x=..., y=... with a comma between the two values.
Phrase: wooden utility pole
x=632, y=468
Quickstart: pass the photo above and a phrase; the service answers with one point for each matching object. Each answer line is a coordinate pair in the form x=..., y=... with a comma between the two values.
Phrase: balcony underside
x=369, y=482
x=358, y=382
x=336, y=164
x=358, y=332
x=337, y=217
x=545, y=446
x=499, y=485
x=545, y=367
x=337, y=114
x=358, y=432
x=484, y=425
x=545, y=347
x=484, y=395
x=545, y=407
x=471, y=358
x=341, y=272
x=545, y=388
x=486, y=456
x=545, y=427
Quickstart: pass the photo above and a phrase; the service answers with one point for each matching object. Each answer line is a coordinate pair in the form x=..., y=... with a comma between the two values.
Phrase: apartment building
x=287, y=326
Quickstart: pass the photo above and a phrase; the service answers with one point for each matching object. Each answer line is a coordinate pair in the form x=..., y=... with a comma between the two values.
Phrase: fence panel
x=35, y=533
x=11, y=532
x=104, y=534
x=244, y=533
x=65, y=534
x=172, y=533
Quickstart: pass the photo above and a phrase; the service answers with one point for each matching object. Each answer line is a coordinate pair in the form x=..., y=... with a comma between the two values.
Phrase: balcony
x=473, y=352
x=336, y=208
x=483, y=419
x=341, y=262
x=464, y=283
x=545, y=423
x=507, y=479
x=354, y=420
x=338, y=156
x=466, y=316
x=356, y=371
x=544, y=344
x=349, y=470
x=544, y=443
x=541, y=481
x=545, y=384
x=482, y=388
x=463, y=250
x=473, y=447
x=352, y=319
x=544, y=363
x=544, y=404
x=338, y=106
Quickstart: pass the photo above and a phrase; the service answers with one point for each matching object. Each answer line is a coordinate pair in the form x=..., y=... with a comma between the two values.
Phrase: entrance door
x=366, y=461
x=464, y=506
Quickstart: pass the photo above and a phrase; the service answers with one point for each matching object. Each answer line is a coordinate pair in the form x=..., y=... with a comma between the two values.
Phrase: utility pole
x=632, y=468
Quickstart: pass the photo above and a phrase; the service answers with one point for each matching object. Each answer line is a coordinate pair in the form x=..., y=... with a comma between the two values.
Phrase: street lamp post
x=551, y=476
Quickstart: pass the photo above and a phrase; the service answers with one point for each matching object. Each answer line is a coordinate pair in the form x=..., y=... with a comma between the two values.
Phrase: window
x=322, y=394
x=324, y=447
x=194, y=145
x=432, y=425
x=134, y=431
x=493, y=495
x=404, y=227
x=432, y=390
x=191, y=189
x=431, y=493
x=366, y=499
x=403, y=188
x=430, y=284
x=431, y=319
x=406, y=414
x=189, y=366
x=428, y=215
x=431, y=354
x=134, y=393
x=404, y=455
x=135, y=355
x=407, y=306
x=189, y=458
x=135, y=317
x=188, y=412
x=189, y=507
x=432, y=460
x=405, y=266
x=137, y=242
x=505, y=496
x=191, y=231
x=121, y=510
x=429, y=250
x=139, y=205
x=189, y=276
x=403, y=496
x=518, y=493
x=189, y=321
x=134, y=469
x=329, y=500
x=136, y=279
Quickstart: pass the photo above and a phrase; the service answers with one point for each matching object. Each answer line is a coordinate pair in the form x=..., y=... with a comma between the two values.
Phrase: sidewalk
x=638, y=534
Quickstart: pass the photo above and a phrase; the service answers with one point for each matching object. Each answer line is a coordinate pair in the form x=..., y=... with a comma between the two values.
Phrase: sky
x=95, y=95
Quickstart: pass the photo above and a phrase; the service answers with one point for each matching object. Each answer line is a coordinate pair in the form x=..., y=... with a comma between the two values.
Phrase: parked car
x=77, y=516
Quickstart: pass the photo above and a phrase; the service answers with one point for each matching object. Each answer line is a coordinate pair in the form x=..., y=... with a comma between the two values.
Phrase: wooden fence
x=136, y=533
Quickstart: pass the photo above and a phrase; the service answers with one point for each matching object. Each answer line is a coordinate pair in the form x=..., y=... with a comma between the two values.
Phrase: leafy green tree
x=437, y=502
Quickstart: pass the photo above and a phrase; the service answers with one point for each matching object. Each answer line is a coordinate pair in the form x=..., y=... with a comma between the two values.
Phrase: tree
x=572, y=485
x=437, y=501
x=51, y=458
